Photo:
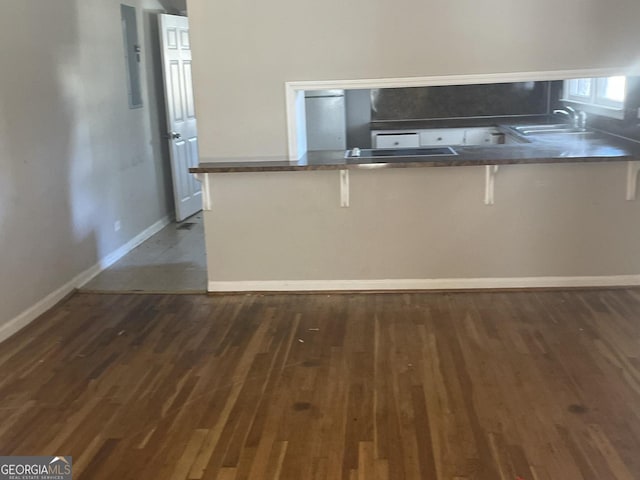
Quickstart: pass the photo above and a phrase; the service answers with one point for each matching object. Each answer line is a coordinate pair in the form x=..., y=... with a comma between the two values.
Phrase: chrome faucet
x=582, y=119
x=565, y=112
x=578, y=119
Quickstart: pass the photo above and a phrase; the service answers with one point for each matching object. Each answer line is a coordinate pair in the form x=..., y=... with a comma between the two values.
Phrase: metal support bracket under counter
x=205, y=179
x=207, y=202
x=490, y=172
x=344, y=188
x=633, y=168
x=489, y=188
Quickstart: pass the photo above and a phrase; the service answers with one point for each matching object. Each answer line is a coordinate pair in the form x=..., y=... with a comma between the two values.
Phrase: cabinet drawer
x=482, y=136
x=442, y=137
x=397, y=140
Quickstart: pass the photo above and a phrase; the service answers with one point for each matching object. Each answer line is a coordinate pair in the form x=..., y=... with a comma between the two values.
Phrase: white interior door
x=182, y=132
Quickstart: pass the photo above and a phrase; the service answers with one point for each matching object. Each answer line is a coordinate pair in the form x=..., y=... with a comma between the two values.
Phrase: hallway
x=172, y=261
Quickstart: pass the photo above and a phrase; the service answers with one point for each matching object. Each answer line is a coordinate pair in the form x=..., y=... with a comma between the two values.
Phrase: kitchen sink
x=390, y=153
x=550, y=129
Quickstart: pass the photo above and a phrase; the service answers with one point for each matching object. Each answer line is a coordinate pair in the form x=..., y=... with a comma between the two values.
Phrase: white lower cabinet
x=483, y=136
x=396, y=140
x=442, y=136
x=439, y=137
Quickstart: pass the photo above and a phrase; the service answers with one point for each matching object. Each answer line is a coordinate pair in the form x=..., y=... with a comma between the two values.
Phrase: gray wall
x=73, y=157
x=246, y=51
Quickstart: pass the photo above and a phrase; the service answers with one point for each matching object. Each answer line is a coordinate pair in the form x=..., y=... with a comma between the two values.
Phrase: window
x=601, y=96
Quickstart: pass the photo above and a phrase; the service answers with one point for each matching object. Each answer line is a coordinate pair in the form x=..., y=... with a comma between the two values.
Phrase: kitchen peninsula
x=569, y=148
x=503, y=185
x=277, y=226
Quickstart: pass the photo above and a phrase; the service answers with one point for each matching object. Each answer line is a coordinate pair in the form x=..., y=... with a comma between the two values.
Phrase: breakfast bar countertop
x=558, y=148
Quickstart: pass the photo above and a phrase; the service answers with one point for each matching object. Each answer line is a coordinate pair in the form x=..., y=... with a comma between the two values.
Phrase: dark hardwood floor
x=491, y=386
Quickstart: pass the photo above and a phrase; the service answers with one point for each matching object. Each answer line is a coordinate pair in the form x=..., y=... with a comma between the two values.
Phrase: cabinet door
x=397, y=140
x=481, y=136
x=442, y=136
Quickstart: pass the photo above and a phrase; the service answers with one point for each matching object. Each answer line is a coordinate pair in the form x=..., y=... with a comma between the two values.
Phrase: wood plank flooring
x=460, y=386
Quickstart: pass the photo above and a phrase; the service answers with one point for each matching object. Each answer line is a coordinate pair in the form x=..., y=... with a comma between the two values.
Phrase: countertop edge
x=399, y=163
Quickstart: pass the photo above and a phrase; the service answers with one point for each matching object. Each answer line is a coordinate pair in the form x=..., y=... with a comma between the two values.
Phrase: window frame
x=595, y=104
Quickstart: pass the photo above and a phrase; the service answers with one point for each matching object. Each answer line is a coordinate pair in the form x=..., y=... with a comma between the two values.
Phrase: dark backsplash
x=625, y=128
x=498, y=99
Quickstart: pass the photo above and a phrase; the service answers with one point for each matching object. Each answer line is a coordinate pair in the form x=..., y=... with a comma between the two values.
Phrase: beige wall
x=245, y=51
x=549, y=220
x=73, y=157
x=563, y=220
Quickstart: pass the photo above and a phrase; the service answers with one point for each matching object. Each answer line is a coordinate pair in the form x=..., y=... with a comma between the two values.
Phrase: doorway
x=173, y=259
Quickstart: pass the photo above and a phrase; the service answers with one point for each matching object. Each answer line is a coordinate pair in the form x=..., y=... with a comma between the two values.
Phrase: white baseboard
x=424, y=284
x=29, y=315
x=33, y=312
x=113, y=257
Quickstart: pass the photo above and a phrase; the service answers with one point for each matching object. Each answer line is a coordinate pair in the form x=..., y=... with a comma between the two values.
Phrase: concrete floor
x=173, y=260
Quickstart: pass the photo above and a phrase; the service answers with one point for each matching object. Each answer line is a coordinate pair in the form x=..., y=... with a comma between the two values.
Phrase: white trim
x=506, y=77
x=423, y=284
x=633, y=168
x=344, y=188
x=293, y=88
x=116, y=255
x=205, y=180
x=300, y=121
x=29, y=315
x=490, y=184
x=296, y=122
x=25, y=318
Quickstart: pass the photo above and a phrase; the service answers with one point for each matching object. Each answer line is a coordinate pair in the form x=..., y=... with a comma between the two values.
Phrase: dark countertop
x=556, y=148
